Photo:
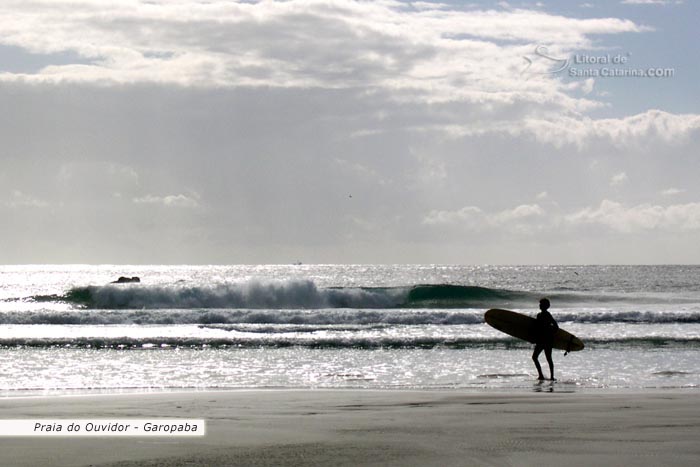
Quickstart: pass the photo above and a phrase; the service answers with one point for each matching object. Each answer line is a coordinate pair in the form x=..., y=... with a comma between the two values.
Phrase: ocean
x=66, y=329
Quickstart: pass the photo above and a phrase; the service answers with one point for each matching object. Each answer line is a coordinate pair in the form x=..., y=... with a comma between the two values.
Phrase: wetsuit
x=546, y=328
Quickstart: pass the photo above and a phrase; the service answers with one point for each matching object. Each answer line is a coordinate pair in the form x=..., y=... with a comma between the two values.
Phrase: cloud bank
x=324, y=131
x=412, y=52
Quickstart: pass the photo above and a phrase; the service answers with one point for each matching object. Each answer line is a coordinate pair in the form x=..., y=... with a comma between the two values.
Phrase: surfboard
x=523, y=327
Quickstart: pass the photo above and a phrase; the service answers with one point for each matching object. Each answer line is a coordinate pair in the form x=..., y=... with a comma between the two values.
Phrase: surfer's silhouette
x=545, y=329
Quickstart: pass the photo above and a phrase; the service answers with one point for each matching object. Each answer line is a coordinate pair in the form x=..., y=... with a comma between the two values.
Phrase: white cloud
x=528, y=219
x=587, y=85
x=672, y=192
x=649, y=2
x=428, y=5
x=179, y=201
x=619, y=179
x=643, y=217
x=470, y=217
x=635, y=130
x=18, y=200
x=473, y=218
x=431, y=51
x=518, y=214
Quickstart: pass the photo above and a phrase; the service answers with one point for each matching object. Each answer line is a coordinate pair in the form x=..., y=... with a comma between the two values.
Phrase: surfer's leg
x=548, y=354
x=535, y=356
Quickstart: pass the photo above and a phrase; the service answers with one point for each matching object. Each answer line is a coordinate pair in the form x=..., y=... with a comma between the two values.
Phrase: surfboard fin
x=568, y=346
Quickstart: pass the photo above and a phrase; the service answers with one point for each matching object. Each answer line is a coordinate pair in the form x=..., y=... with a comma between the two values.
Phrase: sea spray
x=289, y=294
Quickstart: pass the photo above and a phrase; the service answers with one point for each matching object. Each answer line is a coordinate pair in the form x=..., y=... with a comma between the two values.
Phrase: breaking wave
x=258, y=300
x=323, y=317
x=280, y=295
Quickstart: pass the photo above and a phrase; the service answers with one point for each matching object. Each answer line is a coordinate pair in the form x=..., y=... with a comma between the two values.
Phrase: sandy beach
x=387, y=428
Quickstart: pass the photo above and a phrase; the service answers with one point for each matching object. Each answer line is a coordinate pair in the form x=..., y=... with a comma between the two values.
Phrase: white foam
x=257, y=294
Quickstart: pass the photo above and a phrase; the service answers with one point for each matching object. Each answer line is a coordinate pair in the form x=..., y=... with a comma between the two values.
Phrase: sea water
x=66, y=328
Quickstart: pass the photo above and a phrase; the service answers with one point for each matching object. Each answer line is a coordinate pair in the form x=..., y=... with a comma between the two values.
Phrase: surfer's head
x=544, y=304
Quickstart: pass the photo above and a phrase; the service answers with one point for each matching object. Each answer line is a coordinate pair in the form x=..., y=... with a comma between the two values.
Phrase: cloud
x=277, y=112
x=430, y=51
x=619, y=179
x=175, y=201
x=19, y=200
x=518, y=214
x=429, y=5
x=672, y=192
x=635, y=130
x=426, y=52
x=643, y=217
x=528, y=219
x=632, y=132
x=650, y=2
x=472, y=218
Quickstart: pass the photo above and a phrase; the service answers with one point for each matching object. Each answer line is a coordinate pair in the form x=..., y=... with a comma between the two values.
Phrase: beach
x=367, y=427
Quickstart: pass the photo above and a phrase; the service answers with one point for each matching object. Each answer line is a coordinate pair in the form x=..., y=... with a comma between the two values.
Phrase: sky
x=338, y=131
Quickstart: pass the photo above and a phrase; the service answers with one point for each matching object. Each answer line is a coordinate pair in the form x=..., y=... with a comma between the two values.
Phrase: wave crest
x=290, y=294
x=254, y=294
x=306, y=295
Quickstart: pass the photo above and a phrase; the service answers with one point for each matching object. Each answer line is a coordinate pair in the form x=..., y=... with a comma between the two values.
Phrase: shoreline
x=372, y=427
x=536, y=389
x=558, y=387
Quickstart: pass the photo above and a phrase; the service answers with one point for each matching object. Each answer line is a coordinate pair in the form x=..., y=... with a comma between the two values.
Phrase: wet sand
x=378, y=428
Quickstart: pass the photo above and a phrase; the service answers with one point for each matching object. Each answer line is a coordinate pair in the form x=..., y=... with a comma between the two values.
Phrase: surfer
x=545, y=329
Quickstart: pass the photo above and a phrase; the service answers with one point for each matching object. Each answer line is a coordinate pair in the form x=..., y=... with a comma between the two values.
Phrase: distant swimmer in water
x=546, y=328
